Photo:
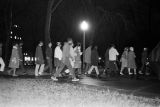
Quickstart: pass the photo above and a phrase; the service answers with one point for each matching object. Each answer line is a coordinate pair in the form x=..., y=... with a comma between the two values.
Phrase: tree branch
x=55, y=7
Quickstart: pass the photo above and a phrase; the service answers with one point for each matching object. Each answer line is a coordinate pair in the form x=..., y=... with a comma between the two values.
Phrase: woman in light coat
x=131, y=61
x=14, y=60
x=78, y=62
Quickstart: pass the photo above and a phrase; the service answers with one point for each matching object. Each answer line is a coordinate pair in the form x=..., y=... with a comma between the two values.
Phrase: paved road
x=145, y=88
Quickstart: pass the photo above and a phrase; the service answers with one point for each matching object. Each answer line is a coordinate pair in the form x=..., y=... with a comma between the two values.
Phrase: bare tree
x=52, y=6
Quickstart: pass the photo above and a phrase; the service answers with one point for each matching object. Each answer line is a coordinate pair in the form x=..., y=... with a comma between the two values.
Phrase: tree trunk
x=50, y=10
x=8, y=25
x=48, y=21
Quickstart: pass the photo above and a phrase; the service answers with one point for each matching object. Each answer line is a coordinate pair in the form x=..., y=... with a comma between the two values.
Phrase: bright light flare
x=84, y=26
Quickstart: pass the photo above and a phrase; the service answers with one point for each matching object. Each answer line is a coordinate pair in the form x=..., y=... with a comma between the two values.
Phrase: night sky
x=122, y=22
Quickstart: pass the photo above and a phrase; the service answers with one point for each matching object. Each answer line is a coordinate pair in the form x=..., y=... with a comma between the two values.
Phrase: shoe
x=54, y=78
x=147, y=73
x=98, y=76
x=24, y=73
x=14, y=75
x=130, y=73
x=36, y=75
x=140, y=72
x=40, y=73
x=121, y=73
x=75, y=79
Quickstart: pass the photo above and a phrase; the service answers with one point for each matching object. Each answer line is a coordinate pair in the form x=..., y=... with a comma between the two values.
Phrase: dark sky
x=122, y=22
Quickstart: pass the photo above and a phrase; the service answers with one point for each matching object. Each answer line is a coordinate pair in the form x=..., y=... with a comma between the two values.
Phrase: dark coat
x=49, y=52
x=107, y=58
x=94, y=57
x=20, y=53
x=144, y=57
x=39, y=55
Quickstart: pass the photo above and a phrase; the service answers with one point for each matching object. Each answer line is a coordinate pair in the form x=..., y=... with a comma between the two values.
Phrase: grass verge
x=46, y=93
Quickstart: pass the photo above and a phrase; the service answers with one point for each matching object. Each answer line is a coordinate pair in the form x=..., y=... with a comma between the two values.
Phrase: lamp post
x=84, y=27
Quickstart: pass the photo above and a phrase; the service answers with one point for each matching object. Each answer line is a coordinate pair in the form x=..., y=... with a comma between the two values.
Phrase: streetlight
x=84, y=27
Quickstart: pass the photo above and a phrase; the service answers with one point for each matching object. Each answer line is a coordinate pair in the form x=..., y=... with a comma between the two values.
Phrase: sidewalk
x=145, y=88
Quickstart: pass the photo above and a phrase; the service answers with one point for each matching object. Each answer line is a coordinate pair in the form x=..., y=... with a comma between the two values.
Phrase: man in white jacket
x=113, y=53
x=57, y=55
x=67, y=57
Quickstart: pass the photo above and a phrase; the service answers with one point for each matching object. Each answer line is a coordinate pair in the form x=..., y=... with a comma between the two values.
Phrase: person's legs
x=121, y=71
x=90, y=70
x=79, y=71
x=71, y=71
x=2, y=64
x=22, y=67
x=50, y=65
x=36, y=69
x=87, y=67
x=56, y=68
x=59, y=69
x=97, y=71
x=142, y=69
x=129, y=71
x=9, y=71
x=116, y=69
x=41, y=69
x=135, y=71
x=14, y=72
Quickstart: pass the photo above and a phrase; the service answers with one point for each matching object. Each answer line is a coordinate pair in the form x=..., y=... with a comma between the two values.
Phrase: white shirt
x=58, y=53
x=113, y=54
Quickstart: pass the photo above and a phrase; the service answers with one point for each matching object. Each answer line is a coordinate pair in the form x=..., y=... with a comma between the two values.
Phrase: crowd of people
x=127, y=61
x=68, y=58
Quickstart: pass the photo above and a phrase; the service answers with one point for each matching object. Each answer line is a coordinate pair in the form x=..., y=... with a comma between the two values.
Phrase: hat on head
x=58, y=43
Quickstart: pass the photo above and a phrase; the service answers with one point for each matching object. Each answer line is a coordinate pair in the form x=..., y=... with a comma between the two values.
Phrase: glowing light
x=84, y=26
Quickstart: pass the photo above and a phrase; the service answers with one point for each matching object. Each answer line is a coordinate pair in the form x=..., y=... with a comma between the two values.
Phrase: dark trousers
x=21, y=66
x=143, y=67
x=87, y=67
x=69, y=66
x=49, y=62
x=113, y=68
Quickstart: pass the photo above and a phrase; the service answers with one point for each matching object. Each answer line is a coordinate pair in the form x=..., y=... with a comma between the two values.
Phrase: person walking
x=39, y=60
x=2, y=64
x=14, y=60
x=131, y=61
x=106, y=61
x=78, y=62
x=20, y=51
x=87, y=59
x=58, y=56
x=113, y=54
x=144, y=57
x=124, y=60
x=49, y=57
x=67, y=60
x=94, y=61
